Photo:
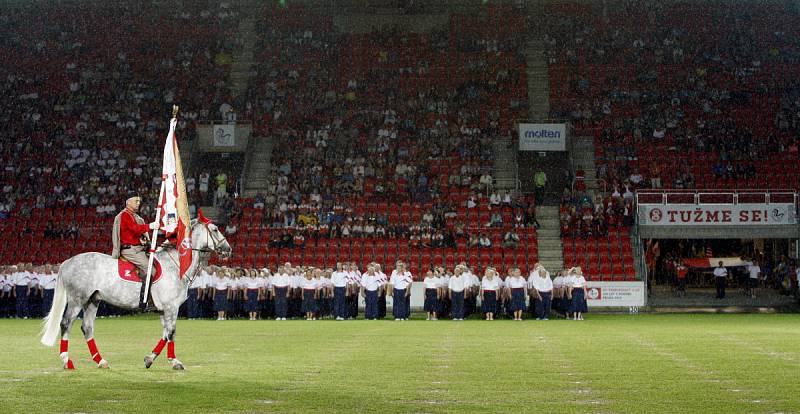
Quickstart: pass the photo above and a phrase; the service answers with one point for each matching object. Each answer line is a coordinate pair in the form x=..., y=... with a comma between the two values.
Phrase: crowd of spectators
x=88, y=89
x=363, y=122
x=580, y=215
x=708, y=88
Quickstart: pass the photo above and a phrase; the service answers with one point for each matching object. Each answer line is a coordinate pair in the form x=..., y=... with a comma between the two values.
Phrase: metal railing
x=712, y=197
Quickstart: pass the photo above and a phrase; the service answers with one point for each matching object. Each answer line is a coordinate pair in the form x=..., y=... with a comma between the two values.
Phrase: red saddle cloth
x=127, y=271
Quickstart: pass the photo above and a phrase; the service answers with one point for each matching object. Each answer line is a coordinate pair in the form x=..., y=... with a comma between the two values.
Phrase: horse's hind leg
x=73, y=309
x=89, y=314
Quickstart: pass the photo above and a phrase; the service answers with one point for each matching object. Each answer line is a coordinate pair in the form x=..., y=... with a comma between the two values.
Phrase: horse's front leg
x=148, y=360
x=169, y=319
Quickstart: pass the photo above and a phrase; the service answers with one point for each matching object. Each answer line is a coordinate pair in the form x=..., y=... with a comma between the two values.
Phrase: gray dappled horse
x=86, y=279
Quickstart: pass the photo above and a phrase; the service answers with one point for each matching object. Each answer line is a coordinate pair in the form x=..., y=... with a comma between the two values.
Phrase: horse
x=88, y=278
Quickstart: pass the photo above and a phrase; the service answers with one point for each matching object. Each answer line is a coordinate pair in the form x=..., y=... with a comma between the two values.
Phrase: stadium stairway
x=505, y=164
x=538, y=80
x=243, y=59
x=583, y=159
x=551, y=251
x=257, y=166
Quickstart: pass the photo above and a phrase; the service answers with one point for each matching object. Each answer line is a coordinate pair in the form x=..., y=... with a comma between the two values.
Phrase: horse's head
x=206, y=237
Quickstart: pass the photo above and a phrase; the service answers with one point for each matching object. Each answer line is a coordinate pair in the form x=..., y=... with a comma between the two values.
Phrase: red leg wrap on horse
x=93, y=350
x=159, y=346
x=70, y=365
x=171, y=350
x=64, y=346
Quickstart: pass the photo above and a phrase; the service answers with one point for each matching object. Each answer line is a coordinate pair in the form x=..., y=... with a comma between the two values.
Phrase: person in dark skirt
x=433, y=291
x=400, y=282
x=310, y=294
x=383, y=282
x=295, y=290
x=370, y=284
x=252, y=284
x=320, y=280
x=578, y=304
x=236, y=305
x=263, y=293
x=221, y=285
x=541, y=288
x=280, y=293
x=339, y=282
x=490, y=287
x=48, y=283
x=516, y=283
x=457, y=286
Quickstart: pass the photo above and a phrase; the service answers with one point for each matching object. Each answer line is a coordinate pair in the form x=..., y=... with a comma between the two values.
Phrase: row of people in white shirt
x=34, y=278
x=348, y=276
x=286, y=276
x=491, y=280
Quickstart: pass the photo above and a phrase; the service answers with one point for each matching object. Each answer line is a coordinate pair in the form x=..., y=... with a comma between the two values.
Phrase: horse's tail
x=52, y=322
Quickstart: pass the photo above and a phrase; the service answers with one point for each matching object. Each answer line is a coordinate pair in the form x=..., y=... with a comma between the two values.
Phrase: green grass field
x=606, y=364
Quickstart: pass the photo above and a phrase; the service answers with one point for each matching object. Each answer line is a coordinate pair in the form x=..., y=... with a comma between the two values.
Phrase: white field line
x=697, y=370
x=579, y=384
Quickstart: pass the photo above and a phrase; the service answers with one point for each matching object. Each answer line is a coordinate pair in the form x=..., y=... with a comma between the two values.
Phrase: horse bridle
x=209, y=251
x=215, y=241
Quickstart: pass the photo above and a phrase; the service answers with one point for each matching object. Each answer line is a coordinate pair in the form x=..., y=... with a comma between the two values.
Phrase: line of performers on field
x=314, y=293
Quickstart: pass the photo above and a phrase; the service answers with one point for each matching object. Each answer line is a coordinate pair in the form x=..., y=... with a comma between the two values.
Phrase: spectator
x=510, y=240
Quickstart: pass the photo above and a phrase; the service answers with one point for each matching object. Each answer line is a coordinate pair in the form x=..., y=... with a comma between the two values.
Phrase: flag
x=174, y=203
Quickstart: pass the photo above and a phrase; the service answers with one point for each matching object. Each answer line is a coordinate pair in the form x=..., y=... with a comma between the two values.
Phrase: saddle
x=127, y=271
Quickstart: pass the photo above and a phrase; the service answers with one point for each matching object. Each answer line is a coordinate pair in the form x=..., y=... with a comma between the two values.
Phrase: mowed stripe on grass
x=606, y=364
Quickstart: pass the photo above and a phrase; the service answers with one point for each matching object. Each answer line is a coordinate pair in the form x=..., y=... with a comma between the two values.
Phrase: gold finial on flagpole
x=174, y=111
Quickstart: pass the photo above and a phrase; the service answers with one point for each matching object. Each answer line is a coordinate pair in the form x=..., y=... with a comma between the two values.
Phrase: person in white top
x=473, y=288
x=566, y=284
x=456, y=286
x=326, y=294
x=264, y=290
x=206, y=291
x=541, y=291
x=310, y=294
x=400, y=282
x=755, y=274
x=239, y=293
x=720, y=280
x=280, y=292
x=490, y=286
x=193, y=295
x=221, y=293
x=370, y=284
x=22, y=279
x=296, y=277
x=433, y=291
x=384, y=282
x=252, y=284
x=516, y=283
x=317, y=273
x=353, y=289
x=578, y=294
x=48, y=284
x=339, y=280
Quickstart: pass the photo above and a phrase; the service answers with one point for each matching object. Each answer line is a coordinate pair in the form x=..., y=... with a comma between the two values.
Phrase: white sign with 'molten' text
x=542, y=137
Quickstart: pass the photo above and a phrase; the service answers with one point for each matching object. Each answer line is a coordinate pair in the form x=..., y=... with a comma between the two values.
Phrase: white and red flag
x=174, y=203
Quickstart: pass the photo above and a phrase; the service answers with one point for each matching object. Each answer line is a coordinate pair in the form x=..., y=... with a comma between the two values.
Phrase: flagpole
x=154, y=239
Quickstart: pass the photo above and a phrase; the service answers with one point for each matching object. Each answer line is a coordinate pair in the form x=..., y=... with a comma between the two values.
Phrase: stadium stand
x=348, y=112
x=86, y=87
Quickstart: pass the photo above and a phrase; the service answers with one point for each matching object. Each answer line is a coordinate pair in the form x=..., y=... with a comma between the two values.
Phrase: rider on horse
x=130, y=238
